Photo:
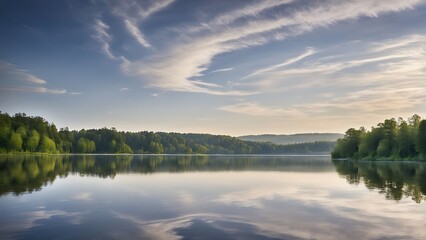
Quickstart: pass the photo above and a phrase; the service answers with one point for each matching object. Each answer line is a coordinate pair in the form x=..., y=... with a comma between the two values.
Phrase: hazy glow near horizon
x=223, y=67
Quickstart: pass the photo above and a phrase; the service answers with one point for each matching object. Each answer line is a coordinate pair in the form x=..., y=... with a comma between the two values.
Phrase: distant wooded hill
x=294, y=138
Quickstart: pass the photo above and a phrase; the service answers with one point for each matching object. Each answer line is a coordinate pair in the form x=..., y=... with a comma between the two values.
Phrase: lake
x=209, y=197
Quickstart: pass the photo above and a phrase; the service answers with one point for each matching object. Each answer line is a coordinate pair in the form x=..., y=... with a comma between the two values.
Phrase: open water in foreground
x=209, y=197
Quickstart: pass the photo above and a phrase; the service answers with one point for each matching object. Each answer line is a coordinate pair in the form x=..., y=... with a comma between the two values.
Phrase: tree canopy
x=21, y=133
x=392, y=139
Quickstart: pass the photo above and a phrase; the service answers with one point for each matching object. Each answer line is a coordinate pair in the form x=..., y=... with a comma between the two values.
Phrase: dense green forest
x=391, y=140
x=22, y=133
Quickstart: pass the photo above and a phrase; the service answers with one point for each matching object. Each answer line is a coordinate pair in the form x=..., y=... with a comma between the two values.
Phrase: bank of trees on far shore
x=390, y=140
x=21, y=133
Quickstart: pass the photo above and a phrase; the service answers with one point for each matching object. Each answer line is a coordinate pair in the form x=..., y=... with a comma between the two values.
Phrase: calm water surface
x=216, y=197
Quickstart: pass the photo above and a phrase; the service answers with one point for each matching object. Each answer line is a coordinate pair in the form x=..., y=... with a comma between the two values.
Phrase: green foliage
x=113, y=145
x=85, y=145
x=15, y=142
x=37, y=134
x=32, y=172
x=388, y=140
x=90, y=146
x=81, y=145
x=32, y=141
x=21, y=130
x=348, y=146
x=124, y=148
x=421, y=138
x=67, y=139
x=156, y=148
x=384, y=149
x=4, y=134
x=201, y=149
x=406, y=140
x=47, y=145
x=396, y=180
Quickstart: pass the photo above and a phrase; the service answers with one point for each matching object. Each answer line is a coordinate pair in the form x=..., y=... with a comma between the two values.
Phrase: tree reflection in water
x=395, y=180
x=28, y=173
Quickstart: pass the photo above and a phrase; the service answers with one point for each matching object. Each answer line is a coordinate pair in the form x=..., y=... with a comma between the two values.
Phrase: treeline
x=21, y=133
x=391, y=140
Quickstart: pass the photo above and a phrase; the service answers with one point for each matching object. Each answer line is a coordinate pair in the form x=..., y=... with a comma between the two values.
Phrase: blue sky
x=222, y=67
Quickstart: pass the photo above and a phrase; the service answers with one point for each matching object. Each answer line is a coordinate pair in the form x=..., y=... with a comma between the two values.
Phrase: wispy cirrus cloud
x=255, y=109
x=35, y=90
x=8, y=70
x=102, y=36
x=360, y=63
x=136, y=33
x=222, y=70
x=290, y=61
x=376, y=101
x=369, y=79
x=180, y=65
x=134, y=12
x=249, y=11
x=20, y=80
x=138, y=9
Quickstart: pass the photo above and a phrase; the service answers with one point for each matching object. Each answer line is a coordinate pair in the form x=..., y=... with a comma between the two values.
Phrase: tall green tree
x=406, y=140
x=22, y=131
x=15, y=142
x=421, y=138
x=4, y=134
x=347, y=147
x=388, y=140
x=81, y=145
x=47, y=145
x=32, y=141
x=156, y=148
x=90, y=146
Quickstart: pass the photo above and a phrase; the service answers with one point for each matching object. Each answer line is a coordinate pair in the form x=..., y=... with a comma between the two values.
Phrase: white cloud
x=102, y=36
x=309, y=52
x=179, y=65
x=124, y=89
x=16, y=79
x=174, y=67
x=222, y=70
x=254, y=109
x=134, y=12
x=139, y=10
x=8, y=70
x=83, y=196
x=358, y=64
x=253, y=10
x=156, y=6
x=36, y=90
x=34, y=79
x=363, y=82
x=377, y=101
x=134, y=31
x=400, y=43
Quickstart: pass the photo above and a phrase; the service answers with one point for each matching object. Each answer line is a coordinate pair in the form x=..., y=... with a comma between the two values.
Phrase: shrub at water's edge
x=390, y=140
